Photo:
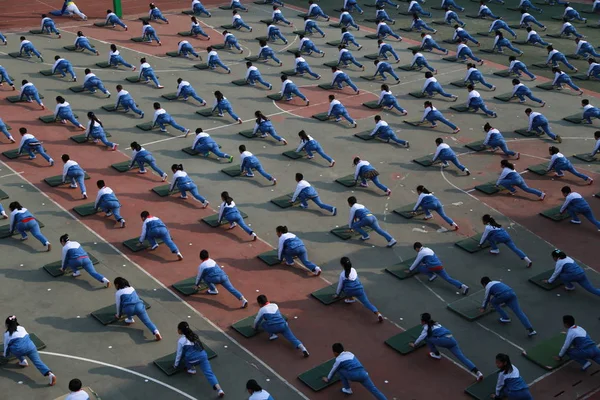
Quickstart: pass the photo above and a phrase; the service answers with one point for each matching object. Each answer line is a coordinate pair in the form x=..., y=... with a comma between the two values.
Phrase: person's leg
x=303, y=256
x=105, y=141
x=395, y=138
x=37, y=362
x=590, y=217
x=175, y=125
x=578, y=174
x=204, y=365
x=371, y=388
x=484, y=83
x=347, y=117
x=297, y=92
x=166, y=238
x=34, y=228
x=89, y=268
x=513, y=304
x=5, y=131
x=511, y=245
x=377, y=183
x=461, y=357
x=242, y=224
x=229, y=287
x=444, y=275
x=546, y=128
x=497, y=304
x=80, y=178
x=140, y=312
x=375, y=226
x=259, y=168
x=454, y=160
x=117, y=213
x=353, y=61
x=194, y=192
x=42, y=152
x=362, y=297
x=154, y=79
x=570, y=83
x=440, y=211
x=443, y=120
x=577, y=355
x=320, y=204
x=358, y=225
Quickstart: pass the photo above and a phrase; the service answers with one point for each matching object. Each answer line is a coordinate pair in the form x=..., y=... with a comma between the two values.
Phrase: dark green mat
x=488, y=188
x=110, y=108
x=172, y=54
x=12, y=154
x=414, y=123
x=546, y=86
x=425, y=161
x=487, y=51
x=505, y=73
x=190, y=151
x=504, y=97
x=163, y=190
x=585, y=157
x=106, y=315
x=47, y=119
x=289, y=72
x=218, y=46
x=266, y=21
x=476, y=146
x=449, y=41
x=326, y=294
x=407, y=211
x=54, y=268
x=101, y=24
x=373, y=56
x=240, y=82
x=526, y=133
x=482, y=390
x=313, y=378
x=372, y=36
x=364, y=136
x=187, y=286
x=17, y=99
x=344, y=232
x=540, y=65
x=417, y=95
x=484, y=34
x=270, y=258
x=335, y=25
x=248, y=133
x=573, y=56
x=36, y=341
x=400, y=341
x=275, y=96
x=460, y=108
x=538, y=169
x=373, y=105
x=185, y=33
x=325, y=86
x=3, y=195
x=228, y=26
x=334, y=43
x=407, y=67
x=580, y=77
x=292, y=154
x=370, y=78
x=206, y=113
x=37, y=32
x=537, y=280
x=331, y=64
x=4, y=229
x=133, y=79
x=468, y=307
x=131, y=244
x=416, y=48
x=450, y=58
x=284, y=201
x=232, y=171
x=321, y=117
x=213, y=220
x=542, y=353
x=471, y=244
x=201, y=66
x=170, y=96
x=47, y=72
x=244, y=327
x=83, y=139
x=103, y=64
x=146, y=126
x=165, y=364
x=122, y=166
x=16, y=54
x=554, y=214
x=399, y=270
x=347, y=180
x=85, y=210
x=574, y=119
x=73, y=48
x=460, y=84
x=55, y=181
x=259, y=38
x=138, y=39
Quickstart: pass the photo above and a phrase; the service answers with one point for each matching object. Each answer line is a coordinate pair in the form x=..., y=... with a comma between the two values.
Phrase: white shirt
x=227, y=36
x=90, y=125
x=425, y=251
x=592, y=66
x=113, y=53
x=178, y=174
x=249, y=70
x=181, y=44
x=58, y=107
x=456, y=30
x=275, y=13
x=344, y=356
x=530, y=34
x=581, y=43
x=488, y=287
x=353, y=212
x=158, y=112
x=483, y=7
x=56, y=64
x=423, y=334
x=531, y=117
x=236, y=16
x=597, y=146
x=298, y=60
x=102, y=192
x=299, y=187
x=342, y=51
x=303, y=41
x=118, y=293
x=492, y=131
x=109, y=15
x=68, y=246
x=460, y=47
x=361, y=164
x=473, y=94
x=270, y=308
x=210, y=263
x=427, y=111
x=181, y=86
x=377, y=126
x=332, y=104
x=438, y=150
x=427, y=82
x=77, y=38
x=515, y=88
x=503, y=174
x=44, y=20
x=554, y=158
x=567, y=9
x=88, y=76
x=19, y=333
x=282, y=240
x=79, y=395
x=512, y=65
x=145, y=227
x=352, y=277
x=303, y=143
x=556, y=76
x=31, y=84
x=14, y=213
x=523, y=16
x=244, y=155
x=412, y=4
x=199, y=136
x=262, y=395
x=514, y=374
x=284, y=84
x=469, y=72
x=426, y=37
x=335, y=74
x=145, y=28
x=571, y=196
x=224, y=205
x=420, y=199
x=181, y=342
x=66, y=167
x=573, y=332
x=553, y=52
x=119, y=94
x=27, y=136
x=312, y=6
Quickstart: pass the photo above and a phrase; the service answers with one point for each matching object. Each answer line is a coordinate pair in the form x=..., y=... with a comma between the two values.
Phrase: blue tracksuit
x=153, y=228
x=498, y=293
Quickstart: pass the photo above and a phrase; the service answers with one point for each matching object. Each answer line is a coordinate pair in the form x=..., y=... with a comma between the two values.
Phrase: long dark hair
x=426, y=317
x=282, y=229
x=15, y=205
x=219, y=96
x=260, y=117
x=121, y=283
x=177, y=167
x=558, y=254
x=11, y=324
x=423, y=189
x=505, y=359
x=93, y=117
x=507, y=164
x=488, y=219
x=189, y=334
x=347, y=265
x=135, y=146
x=254, y=386
x=303, y=135
x=226, y=197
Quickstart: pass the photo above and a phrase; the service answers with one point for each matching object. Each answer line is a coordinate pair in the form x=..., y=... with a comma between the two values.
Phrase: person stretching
x=212, y=274
x=428, y=263
x=578, y=345
x=107, y=201
x=361, y=217
x=74, y=257
x=152, y=229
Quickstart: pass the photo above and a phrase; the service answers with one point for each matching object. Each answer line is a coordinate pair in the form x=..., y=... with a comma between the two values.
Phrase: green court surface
x=284, y=201
x=345, y=233
x=106, y=315
x=326, y=295
x=468, y=307
x=555, y=215
x=313, y=378
x=542, y=353
x=17, y=99
x=539, y=278
x=269, y=257
x=135, y=245
x=538, y=169
x=85, y=210
x=471, y=244
x=3, y=195
x=55, y=181
x=213, y=220
x=54, y=268
x=407, y=211
x=187, y=287
x=39, y=345
x=166, y=363
x=400, y=270
x=400, y=341
x=484, y=389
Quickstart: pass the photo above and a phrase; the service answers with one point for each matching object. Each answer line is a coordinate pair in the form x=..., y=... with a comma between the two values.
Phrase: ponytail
x=303, y=135
x=185, y=329
x=260, y=117
x=93, y=117
x=11, y=324
x=559, y=254
x=121, y=283
x=347, y=265
x=505, y=359
x=254, y=386
x=488, y=219
x=423, y=189
x=177, y=167
x=426, y=317
x=507, y=164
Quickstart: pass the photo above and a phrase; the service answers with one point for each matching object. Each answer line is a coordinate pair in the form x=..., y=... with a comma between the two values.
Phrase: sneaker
x=586, y=365
x=129, y=320
x=558, y=139
x=76, y=274
x=433, y=278
x=122, y=223
x=497, y=251
x=164, y=177
x=505, y=320
x=154, y=247
x=365, y=237
x=220, y=393
x=205, y=204
x=332, y=163
x=531, y=333
x=273, y=337
x=157, y=336
x=274, y=181
x=254, y=237
x=479, y=376
x=590, y=181
x=388, y=192
x=347, y=391
x=391, y=243
x=114, y=148
x=465, y=290
x=84, y=195
x=213, y=292
x=467, y=171
x=317, y=271
x=543, y=196
x=379, y=317
x=191, y=371
x=436, y=356
x=350, y=300
x=187, y=132
x=179, y=256
x=51, y=376
x=23, y=363
x=244, y=303
x=575, y=221
x=334, y=211
x=73, y=186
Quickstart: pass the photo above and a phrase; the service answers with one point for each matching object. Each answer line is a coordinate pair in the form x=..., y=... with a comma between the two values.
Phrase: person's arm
x=488, y=136
x=280, y=245
x=419, y=201
x=335, y=367
x=256, y=126
x=553, y=160
x=567, y=344
x=455, y=35
x=589, y=71
x=565, y=204
x=63, y=257
x=118, y=304
x=549, y=58
x=199, y=275
x=486, y=297
x=178, y=354
x=143, y=235
x=12, y=222
x=514, y=91
x=487, y=230
x=380, y=97
x=259, y=318
x=374, y=131
x=56, y=109
x=422, y=336
x=492, y=26
x=414, y=60
x=88, y=130
x=417, y=261
x=154, y=118
x=530, y=124
x=64, y=174
x=172, y=185
x=437, y=153
x=427, y=110
x=495, y=41
x=140, y=73
x=340, y=285
x=596, y=148
x=301, y=146
x=296, y=192
x=351, y=217
x=578, y=46
x=500, y=385
x=179, y=87
x=5, y=346
x=215, y=104
x=247, y=74
x=330, y=109
x=469, y=72
x=556, y=76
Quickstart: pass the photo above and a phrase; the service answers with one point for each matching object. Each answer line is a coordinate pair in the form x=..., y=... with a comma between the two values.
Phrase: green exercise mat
x=206, y=113
x=228, y=26
x=270, y=258
x=245, y=327
x=399, y=270
x=163, y=190
x=292, y=154
x=471, y=244
x=55, y=181
x=190, y=151
x=540, y=65
x=16, y=54
x=275, y=96
x=425, y=161
x=122, y=166
x=476, y=146
x=468, y=307
x=184, y=33
x=3, y=195
x=73, y=48
x=344, y=232
x=165, y=364
x=574, y=119
x=213, y=220
x=539, y=278
x=289, y=72
x=331, y=64
x=407, y=211
x=482, y=390
x=373, y=105
x=146, y=126
x=473, y=16
x=248, y=133
x=460, y=84
x=373, y=56
x=187, y=287
x=347, y=180
x=580, y=77
x=146, y=19
x=240, y=82
x=586, y=157
x=407, y=67
x=138, y=39
x=284, y=201
x=37, y=32
x=133, y=79
x=201, y=66
x=335, y=25
x=313, y=378
x=526, y=133
x=47, y=72
x=400, y=341
x=110, y=107
x=232, y=171
x=449, y=41
x=460, y=109
x=487, y=51
x=364, y=136
x=103, y=64
x=372, y=36
x=504, y=73
x=325, y=86
x=488, y=188
x=132, y=244
x=170, y=96
x=554, y=214
x=484, y=34
x=54, y=268
x=546, y=86
x=543, y=352
x=172, y=54
x=82, y=138
x=334, y=43
x=300, y=32
x=36, y=341
x=101, y=24
x=450, y=58
x=5, y=233
x=326, y=294
x=368, y=77
x=17, y=99
x=321, y=116
x=504, y=97
x=85, y=210
x=418, y=95
x=538, y=169
x=259, y=38
x=47, y=119
x=106, y=315
x=12, y=154
x=267, y=21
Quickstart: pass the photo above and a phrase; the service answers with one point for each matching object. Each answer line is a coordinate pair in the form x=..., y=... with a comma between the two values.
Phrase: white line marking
x=501, y=337
x=14, y=173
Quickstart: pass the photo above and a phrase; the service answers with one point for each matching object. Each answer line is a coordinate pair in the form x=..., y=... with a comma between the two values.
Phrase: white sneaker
x=220, y=393
x=51, y=379
x=129, y=320
x=122, y=223
x=164, y=177
x=73, y=185
x=433, y=278
x=465, y=290
x=347, y=391
x=497, y=251
x=273, y=337
x=350, y=300
x=436, y=356
x=23, y=363
x=391, y=243
x=317, y=271
x=214, y=292
x=76, y=274
x=191, y=371
x=479, y=376
x=586, y=365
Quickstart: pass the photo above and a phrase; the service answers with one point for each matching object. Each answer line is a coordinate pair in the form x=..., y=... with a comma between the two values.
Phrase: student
x=74, y=173
x=575, y=204
x=125, y=100
x=350, y=369
x=521, y=91
x=428, y=44
x=230, y=41
x=185, y=184
x=432, y=86
x=205, y=145
x=18, y=343
x=304, y=192
x=555, y=56
x=301, y=66
x=48, y=26
x=387, y=99
x=589, y=111
x=352, y=288
x=578, y=345
x=289, y=88
x=308, y=144
x=196, y=29
x=212, y=274
x=428, y=202
x=163, y=118
x=500, y=41
x=435, y=335
x=221, y=104
x=5, y=131
x=584, y=49
x=265, y=127
x=250, y=162
x=594, y=69
x=290, y=246
x=198, y=8
x=129, y=305
x=191, y=351
x=428, y=263
x=228, y=211
x=527, y=4
x=31, y=145
x=23, y=221
x=91, y=82
x=510, y=384
x=238, y=22
x=361, y=217
x=70, y=7
x=364, y=171
x=185, y=90
x=475, y=102
x=95, y=129
x=432, y=115
x=383, y=131
x=256, y=391
x=494, y=139
x=141, y=156
x=381, y=67
x=474, y=75
x=345, y=57
x=184, y=48
x=351, y=5
x=415, y=8
x=596, y=145
x=346, y=20
x=527, y=19
x=149, y=34
x=498, y=294
x=27, y=48
x=337, y=110
x=152, y=229
x=340, y=77
x=485, y=12
x=385, y=48
x=509, y=178
x=559, y=163
x=380, y=13
x=114, y=58
x=112, y=19
x=383, y=31
x=561, y=79
x=309, y=26
x=348, y=38
x=4, y=77
x=498, y=24
x=307, y=46
x=277, y=16
x=214, y=61
x=568, y=29
x=74, y=257
x=253, y=75
x=314, y=11
x=82, y=43
x=516, y=67
x=63, y=112
x=236, y=5
x=271, y=321
x=533, y=38
x=147, y=73
x=77, y=393
x=155, y=14
x=444, y=153
x=107, y=201
x=494, y=233
x=450, y=16
x=62, y=66
x=567, y=271
x=463, y=52
x=538, y=123
x=418, y=24
x=273, y=33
